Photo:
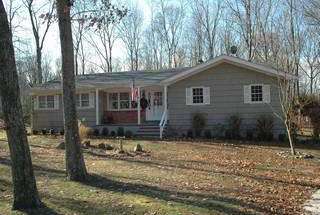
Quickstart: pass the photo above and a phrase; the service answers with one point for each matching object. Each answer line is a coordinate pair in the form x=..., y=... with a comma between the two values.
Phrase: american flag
x=134, y=92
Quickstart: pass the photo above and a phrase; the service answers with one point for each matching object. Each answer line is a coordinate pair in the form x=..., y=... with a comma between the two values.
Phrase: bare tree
x=40, y=15
x=104, y=32
x=310, y=57
x=243, y=15
x=208, y=15
x=288, y=102
x=24, y=183
x=130, y=30
x=79, y=20
x=75, y=166
x=168, y=24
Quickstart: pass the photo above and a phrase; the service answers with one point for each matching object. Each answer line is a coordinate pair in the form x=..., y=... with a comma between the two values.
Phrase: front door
x=155, y=109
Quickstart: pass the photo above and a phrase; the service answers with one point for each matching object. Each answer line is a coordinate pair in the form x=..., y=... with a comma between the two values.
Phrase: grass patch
x=173, y=178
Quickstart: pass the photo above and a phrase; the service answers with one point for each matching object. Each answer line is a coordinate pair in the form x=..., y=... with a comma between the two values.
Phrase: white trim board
x=230, y=60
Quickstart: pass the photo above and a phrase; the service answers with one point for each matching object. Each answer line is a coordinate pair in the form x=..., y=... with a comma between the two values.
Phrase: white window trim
x=263, y=95
x=80, y=99
x=198, y=104
x=46, y=103
x=118, y=98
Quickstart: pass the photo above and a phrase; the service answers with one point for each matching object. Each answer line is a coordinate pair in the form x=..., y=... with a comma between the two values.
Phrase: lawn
x=170, y=178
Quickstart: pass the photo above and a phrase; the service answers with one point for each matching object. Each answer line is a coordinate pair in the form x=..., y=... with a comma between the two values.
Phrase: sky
x=51, y=45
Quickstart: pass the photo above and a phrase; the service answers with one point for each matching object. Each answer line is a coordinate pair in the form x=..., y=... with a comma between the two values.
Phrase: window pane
x=113, y=101
x=42, y=102
x=85, y=100
x=256, y=93
x=197, y=95
x=157, y=101
x=50, y=101
x=124, y=101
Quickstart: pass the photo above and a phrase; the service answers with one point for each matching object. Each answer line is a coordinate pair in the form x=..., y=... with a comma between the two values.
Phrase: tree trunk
x=75, y=166
x=39, y=66
x=24, y=184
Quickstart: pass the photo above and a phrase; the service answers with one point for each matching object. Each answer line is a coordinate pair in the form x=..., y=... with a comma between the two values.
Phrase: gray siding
x=49, y=119
x=226, y=84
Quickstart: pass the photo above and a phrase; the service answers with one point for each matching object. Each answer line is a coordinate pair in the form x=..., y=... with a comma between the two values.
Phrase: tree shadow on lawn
x=210, y=202
x=40, y=170
x=179, y=166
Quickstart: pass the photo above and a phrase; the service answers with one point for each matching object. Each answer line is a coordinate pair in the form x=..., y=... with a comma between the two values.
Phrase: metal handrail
x=163, y=122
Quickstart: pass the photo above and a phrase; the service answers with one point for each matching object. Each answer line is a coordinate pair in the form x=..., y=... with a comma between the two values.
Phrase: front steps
x=149, y=131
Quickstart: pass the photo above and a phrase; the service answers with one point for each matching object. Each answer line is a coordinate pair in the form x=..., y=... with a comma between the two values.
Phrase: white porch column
x=139, y=108
x=97, y=107
x=165, y=98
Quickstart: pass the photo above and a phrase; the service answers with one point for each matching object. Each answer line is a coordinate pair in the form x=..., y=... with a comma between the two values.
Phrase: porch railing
x=163, y=122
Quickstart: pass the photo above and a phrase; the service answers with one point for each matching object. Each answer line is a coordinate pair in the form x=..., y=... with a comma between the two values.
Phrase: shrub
x=249, y=134
x=96, y=132
x=190, y=133
x=128, y=134
x=105, y=131
x=234, y=127
x=264, y=128
x=84, y=131
x=61, y=132
x=171, y=132
x=282, y=137
x=311, y=108
x=198, y=123
x=35, y=132
x=207, y=134
x=120, y=132
x=219, y=131
x=44, y=131
x=112, y=133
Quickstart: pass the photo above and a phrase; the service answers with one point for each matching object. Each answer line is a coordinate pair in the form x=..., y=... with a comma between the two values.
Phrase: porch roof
x=116, y=79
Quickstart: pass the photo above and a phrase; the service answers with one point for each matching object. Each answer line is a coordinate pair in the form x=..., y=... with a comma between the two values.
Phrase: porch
x=144, y=116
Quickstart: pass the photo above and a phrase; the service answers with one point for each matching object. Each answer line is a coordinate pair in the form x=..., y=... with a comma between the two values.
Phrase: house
x=219, y=88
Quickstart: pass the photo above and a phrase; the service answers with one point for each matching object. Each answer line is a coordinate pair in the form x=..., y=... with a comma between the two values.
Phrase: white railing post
x=139, y=108
x=97, y=107
x=164, y=117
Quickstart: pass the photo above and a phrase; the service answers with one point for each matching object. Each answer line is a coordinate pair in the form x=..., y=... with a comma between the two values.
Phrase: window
x=124, y=101
x=197, y=95
x=121, y=101
x=83, y=100
x=256, y=93
x=113, y=101
x=47, y=102
x=157, y=101
x=50, y=101
x=42, y=102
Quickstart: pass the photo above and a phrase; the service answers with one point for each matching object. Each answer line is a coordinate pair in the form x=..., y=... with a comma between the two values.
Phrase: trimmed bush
x=190, y=133
x=282, y=137
x=96, y=132
x=128, y=134
x=207, y=134
x=199, y=122
x=61, y=132
x=120, y=132
x=105, y=132
x=112, y=133
x=264, y=128
x=44, y=131
x=234, y=127
x=249, y=134
x=219, y=131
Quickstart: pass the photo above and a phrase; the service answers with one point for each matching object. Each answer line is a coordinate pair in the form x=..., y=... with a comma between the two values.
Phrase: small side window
x=256, y=93
x=197, y=95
